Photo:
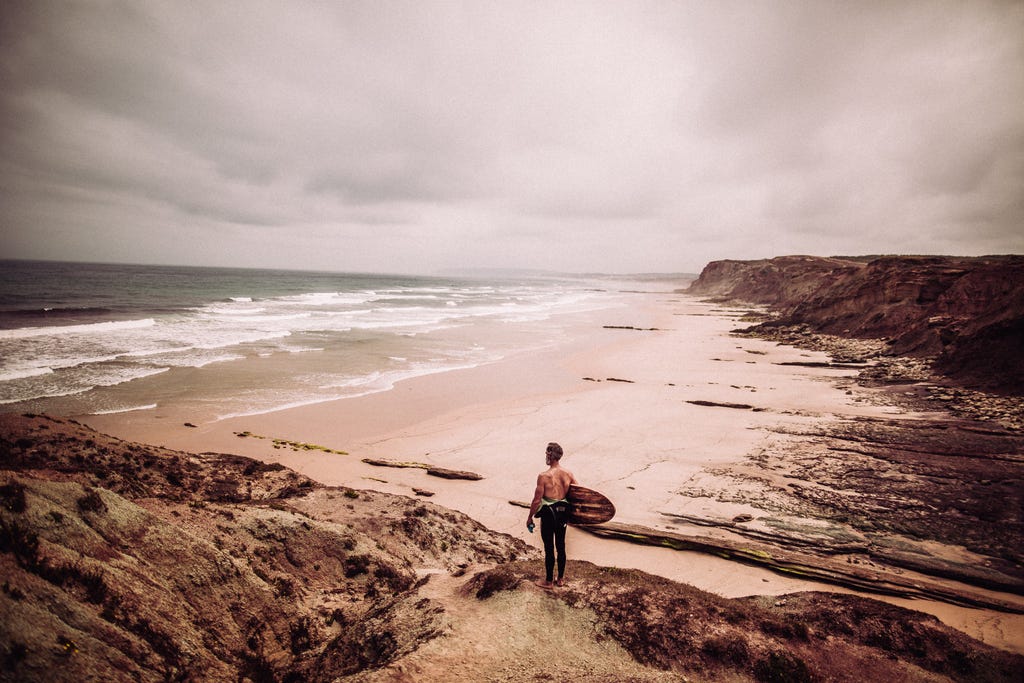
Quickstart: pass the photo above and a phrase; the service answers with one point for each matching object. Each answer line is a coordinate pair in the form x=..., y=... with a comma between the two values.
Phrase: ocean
x=78, y=339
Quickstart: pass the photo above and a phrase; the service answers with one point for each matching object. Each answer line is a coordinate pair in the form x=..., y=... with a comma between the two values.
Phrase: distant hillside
x=965, y=313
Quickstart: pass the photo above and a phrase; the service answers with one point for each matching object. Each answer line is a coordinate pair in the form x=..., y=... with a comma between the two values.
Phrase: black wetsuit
x=552, y=532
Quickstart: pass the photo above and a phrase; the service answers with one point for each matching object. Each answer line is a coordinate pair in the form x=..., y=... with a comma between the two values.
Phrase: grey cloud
x=609, y=133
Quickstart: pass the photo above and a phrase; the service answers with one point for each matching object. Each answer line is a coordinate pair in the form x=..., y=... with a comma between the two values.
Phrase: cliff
x=965, y=314
x=124, y=562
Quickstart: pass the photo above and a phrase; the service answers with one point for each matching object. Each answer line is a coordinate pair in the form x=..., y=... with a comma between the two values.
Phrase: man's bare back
x=554, y=483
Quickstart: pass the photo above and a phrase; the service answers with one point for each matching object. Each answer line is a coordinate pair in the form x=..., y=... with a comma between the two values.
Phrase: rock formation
x=965, y=313
x=131, y=562
x=123, y=562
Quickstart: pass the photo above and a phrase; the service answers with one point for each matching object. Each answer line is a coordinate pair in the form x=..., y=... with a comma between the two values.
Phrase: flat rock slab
x=431, y=469
x=806, y=565
x=453, y=474
x=394, y=463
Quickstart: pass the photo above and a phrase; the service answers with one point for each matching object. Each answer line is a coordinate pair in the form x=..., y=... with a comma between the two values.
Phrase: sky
x=422, y=136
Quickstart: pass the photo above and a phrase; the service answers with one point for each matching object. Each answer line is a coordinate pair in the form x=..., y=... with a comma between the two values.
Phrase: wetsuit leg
x=559, y=535
x=547, y=534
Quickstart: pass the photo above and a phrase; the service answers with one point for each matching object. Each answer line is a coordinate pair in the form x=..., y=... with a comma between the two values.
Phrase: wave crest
x=89, y=328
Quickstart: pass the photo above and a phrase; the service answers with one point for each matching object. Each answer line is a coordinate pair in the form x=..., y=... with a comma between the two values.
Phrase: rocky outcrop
x=124, y=562
x=967, y=314
x=800, y=637
x=129, y=562
x=776, y=282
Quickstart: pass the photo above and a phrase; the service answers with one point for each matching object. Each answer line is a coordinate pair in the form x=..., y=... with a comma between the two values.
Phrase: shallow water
x=102, y=338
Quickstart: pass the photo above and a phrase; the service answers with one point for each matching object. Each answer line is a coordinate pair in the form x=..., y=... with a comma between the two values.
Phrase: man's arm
x=537, y=495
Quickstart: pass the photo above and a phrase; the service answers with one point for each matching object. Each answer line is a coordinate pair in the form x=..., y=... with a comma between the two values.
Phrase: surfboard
x=588, y=506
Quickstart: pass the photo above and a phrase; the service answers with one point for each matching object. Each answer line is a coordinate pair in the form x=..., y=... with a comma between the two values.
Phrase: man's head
x=554, y=452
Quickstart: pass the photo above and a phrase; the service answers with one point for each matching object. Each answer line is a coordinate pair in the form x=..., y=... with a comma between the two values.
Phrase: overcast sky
x=415, y=136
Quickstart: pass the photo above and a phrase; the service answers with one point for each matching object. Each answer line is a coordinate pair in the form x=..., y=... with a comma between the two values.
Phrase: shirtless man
x=550, y=505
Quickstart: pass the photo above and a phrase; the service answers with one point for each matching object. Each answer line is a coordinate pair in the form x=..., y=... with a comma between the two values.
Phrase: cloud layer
x=613, y=136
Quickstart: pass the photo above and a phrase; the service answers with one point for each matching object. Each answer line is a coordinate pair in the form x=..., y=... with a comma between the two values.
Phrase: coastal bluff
x=964, y=314
x=127, y=562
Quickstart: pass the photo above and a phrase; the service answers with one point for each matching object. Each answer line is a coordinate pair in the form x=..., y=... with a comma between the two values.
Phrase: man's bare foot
x=546, y=585
x=560, y=583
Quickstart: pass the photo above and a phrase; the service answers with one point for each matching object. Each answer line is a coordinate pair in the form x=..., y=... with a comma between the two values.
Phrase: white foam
x=301, y=349
x=128, y=375
x=355, y=381
x=81, y=380
x=180, y=356
x=373, y=383
x=91, y=328
x=225, y=310
x=36, y=397
x=244, y=317
x=330, y=298
x=114, y=411
x=80, y=362
x=145, y=353
x=275, y=408
x=216, y=359
x=241, y=337
x=24, y=373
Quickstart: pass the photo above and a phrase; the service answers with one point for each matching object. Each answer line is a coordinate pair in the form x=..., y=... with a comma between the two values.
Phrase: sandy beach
x=613, y=390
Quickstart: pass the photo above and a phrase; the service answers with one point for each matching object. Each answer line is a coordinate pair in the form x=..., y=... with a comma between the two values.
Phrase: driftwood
x=431, y=469
x=804, y=565
x=453, y=474
x=823, y=364
x=394, y=463
x=630, y=327
x=715, y=404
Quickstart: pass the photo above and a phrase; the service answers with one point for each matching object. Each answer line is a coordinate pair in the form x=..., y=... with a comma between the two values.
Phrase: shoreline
x=637, y=439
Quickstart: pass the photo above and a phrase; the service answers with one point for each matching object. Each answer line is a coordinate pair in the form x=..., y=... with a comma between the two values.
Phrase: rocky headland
x=964, y=316
x=126, y=562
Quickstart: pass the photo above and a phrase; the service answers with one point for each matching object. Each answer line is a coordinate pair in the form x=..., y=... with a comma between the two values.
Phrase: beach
x=612, y=387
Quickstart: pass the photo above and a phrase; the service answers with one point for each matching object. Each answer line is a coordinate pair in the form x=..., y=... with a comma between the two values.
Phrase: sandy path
x=513, y=636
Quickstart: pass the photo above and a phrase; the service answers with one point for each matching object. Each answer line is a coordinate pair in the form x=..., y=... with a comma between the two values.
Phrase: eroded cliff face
x=965, y=313
x=129, y=562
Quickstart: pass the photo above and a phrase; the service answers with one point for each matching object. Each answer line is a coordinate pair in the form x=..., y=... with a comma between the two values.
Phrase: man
x=550, y=505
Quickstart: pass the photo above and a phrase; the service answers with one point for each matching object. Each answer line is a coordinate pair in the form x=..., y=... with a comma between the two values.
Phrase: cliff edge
x=124, y=562
x=964, y=314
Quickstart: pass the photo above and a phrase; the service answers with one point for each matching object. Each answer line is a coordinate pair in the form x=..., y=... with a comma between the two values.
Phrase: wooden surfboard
x=588, y=506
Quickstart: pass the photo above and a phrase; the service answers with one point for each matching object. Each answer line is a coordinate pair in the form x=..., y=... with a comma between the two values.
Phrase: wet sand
x=615, y=399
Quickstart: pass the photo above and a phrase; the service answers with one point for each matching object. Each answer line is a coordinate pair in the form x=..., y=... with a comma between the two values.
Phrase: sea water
x=99, y=338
